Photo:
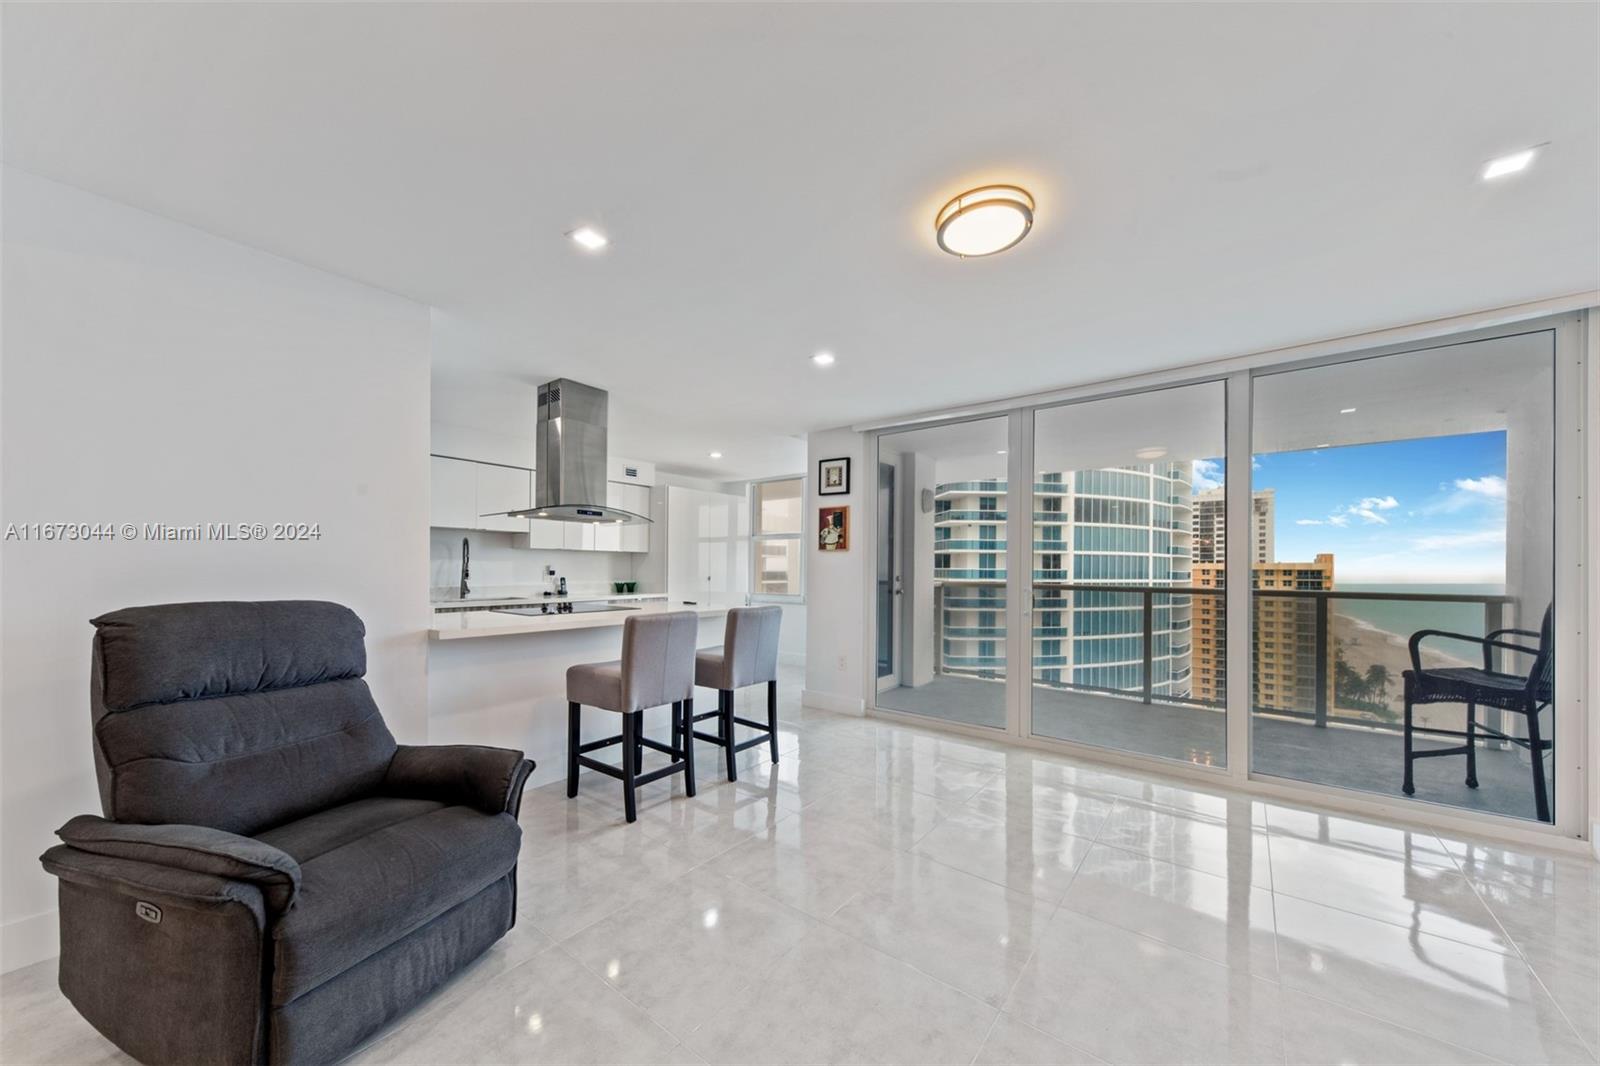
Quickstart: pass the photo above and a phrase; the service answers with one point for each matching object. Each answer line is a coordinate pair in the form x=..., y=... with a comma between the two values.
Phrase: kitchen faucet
x=466, y=553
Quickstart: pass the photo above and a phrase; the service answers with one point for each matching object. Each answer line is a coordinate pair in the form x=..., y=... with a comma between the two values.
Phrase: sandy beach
x=1363, y=645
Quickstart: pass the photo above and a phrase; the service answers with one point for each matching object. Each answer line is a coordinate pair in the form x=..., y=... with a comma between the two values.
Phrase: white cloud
x=1308, y=522
x=1448, y=541
x=1207, y=474
x=1367, y=509
x=1338, y=520
x=1488, y=486
x=1464, y=492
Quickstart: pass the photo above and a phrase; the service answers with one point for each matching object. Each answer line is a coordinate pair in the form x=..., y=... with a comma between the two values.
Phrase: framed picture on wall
x=833, y=477
x=833, y=529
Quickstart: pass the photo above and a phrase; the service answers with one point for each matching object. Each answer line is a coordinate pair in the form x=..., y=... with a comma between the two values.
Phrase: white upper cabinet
x=608, y=535
x=453, y=503
x=503, y=488
x=578, y=536
x=462, y=492
x=635, y=537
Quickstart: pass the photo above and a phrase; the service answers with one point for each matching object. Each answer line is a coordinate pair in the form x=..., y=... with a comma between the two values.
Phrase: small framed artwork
x=833, y=477
x=833, y=529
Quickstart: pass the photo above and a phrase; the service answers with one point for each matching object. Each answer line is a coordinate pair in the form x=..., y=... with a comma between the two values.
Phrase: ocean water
x=1403, y=617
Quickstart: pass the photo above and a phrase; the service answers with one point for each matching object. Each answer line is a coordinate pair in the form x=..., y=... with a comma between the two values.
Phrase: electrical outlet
x=844, y=664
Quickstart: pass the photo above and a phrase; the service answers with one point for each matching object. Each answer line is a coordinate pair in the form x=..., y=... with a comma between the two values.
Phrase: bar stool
x=748, y=656
x=656, y=669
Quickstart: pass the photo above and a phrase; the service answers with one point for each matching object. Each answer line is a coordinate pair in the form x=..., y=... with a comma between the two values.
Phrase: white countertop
x=459, y=625
x=534, y=599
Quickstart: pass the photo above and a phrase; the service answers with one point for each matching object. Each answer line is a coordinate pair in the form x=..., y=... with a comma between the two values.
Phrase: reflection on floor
x=1362, y=759
x=891, y=894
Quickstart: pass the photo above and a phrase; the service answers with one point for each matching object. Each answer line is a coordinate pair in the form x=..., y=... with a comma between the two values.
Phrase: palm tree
x=1377, y=682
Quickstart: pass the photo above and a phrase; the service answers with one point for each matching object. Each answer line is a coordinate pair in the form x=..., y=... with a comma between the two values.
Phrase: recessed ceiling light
x=1322, y=445
x=823, y=359
x=589, y=238
x=984, y=220
x=1347, y=410
x=716, y=455
x=1150, y=453
x=1002, y=451
x=1509, y=164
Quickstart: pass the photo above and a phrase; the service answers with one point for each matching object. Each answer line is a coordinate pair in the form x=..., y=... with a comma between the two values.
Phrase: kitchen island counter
x=458, y=624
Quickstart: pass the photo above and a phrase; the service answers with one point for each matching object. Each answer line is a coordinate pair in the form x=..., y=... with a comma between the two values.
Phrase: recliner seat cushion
x=370, y=888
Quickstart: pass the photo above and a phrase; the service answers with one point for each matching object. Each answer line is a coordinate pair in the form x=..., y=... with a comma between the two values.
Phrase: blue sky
x=1428, y=510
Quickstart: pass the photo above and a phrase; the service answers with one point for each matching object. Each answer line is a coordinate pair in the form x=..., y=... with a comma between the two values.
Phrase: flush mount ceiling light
x=984, y=220
x=1509, y=164
x=823, y=359
x=1347, y=410
x=1150, y=453
x=589, y=238
x=715, y=455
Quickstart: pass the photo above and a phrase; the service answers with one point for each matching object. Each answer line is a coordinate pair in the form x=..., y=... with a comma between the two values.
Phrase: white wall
x=155, y=373
x=836, y=582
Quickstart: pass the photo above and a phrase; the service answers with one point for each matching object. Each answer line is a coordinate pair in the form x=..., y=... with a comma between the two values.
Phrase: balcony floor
x=1365, y=760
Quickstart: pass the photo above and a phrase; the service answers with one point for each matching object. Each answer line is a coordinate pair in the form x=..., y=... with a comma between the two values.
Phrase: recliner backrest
x=235, y=715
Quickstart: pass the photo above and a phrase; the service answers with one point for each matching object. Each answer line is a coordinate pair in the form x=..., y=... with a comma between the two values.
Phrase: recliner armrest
x=193, y=848
x=165, y=885
x=471, y=775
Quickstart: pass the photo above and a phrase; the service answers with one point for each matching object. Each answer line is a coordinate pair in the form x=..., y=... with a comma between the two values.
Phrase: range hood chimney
x=570, y=479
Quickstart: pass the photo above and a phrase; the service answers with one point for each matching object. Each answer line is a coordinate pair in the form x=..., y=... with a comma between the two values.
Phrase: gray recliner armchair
x=274, y=878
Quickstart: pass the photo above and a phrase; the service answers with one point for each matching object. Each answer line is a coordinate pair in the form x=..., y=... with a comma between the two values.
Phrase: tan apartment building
x=1286, y=645
x=1208, y=525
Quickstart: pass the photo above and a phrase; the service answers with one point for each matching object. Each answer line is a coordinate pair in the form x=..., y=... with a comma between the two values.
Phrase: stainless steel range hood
x=570, y=474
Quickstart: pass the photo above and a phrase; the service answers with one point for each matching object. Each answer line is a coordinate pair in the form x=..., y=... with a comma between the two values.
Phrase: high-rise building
x=1119, y=526
x=1286, y=639
x=1210, y=526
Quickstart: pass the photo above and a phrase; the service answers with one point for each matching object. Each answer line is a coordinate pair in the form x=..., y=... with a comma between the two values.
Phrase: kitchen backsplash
x=496, y=566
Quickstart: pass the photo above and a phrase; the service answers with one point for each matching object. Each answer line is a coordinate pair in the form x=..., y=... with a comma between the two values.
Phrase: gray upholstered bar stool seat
x=656, y=669
x=748, y=656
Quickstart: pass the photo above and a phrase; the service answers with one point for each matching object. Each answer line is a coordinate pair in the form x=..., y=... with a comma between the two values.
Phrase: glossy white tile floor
x=887, y=894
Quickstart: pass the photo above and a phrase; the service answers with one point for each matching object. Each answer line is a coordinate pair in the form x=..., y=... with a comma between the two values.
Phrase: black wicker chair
x=1524, y=694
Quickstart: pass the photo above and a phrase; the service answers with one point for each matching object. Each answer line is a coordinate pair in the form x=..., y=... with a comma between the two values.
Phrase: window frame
x=752, y=500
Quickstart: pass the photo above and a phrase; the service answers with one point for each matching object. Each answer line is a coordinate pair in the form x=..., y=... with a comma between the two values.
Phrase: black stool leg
x=677, y=730
x=638, y=744
x=686, y=723
x=1541, y=802
x=727, y=735
x=772, y=718
x=630, y=730
x=572, y=750
x=1408, y=786
x=1472, y=745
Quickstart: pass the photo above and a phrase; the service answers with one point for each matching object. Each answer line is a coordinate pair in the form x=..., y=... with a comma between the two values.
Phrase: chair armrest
x=196, y=849
x=1485, y=642
x=489, y=779
x=166, y=886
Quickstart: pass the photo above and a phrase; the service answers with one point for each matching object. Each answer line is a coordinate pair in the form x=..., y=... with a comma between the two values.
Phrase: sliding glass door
x=1410, y=502
x=941, y=518
x=1129, y=534
x=1396, y=522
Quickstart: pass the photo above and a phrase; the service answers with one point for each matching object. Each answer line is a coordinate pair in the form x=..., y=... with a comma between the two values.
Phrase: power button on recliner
x=148, y=911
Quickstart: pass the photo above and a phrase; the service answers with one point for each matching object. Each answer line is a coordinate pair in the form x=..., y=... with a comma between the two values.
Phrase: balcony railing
x=1310, y=687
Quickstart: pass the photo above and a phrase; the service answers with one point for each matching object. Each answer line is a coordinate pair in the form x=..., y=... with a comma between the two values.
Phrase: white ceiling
x=1211, y=180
